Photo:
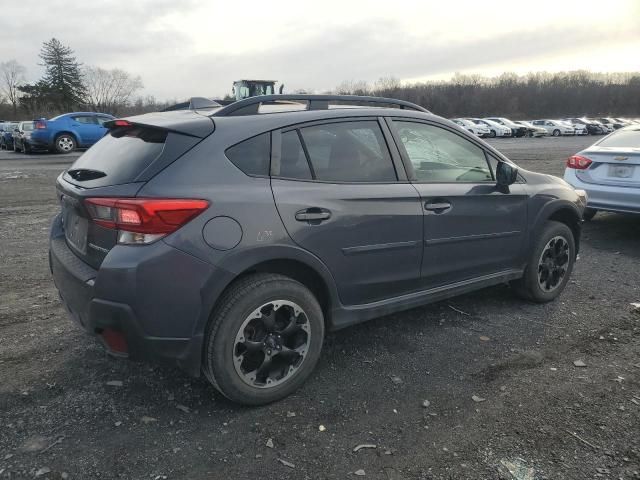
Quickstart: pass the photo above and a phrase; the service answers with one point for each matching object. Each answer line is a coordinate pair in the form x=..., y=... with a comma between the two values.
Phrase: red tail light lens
x=121, y=123
x=579, y=162
x=40, y=124
x=143, y=220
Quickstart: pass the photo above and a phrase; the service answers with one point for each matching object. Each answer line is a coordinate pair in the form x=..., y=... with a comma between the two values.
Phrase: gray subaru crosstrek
x=229, y=239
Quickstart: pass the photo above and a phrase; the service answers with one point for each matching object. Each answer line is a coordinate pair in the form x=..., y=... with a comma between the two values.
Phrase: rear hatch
x=131, y=153
x=615, y=160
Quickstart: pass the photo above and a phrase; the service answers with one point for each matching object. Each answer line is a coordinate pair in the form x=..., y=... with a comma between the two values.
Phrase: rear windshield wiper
x=82, y=174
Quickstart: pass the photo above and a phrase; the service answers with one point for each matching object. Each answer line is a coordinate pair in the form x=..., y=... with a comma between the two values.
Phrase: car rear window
x=122, y=154
x=622, y=139
x=252, y=155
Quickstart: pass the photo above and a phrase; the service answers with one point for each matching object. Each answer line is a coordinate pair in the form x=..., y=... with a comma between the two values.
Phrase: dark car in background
x=228, y=239
x=65, y=133
x=593, y=128
x=22, y=137
x=516, y=129
x=6, y=135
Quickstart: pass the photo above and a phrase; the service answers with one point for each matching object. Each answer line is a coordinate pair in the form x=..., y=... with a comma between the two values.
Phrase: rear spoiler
x=185, y=122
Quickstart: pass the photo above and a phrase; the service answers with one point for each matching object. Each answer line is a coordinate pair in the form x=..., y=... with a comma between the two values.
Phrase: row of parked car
x=62, y=134
x=503, y=127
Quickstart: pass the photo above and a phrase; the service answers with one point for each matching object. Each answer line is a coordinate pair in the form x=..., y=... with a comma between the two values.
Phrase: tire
x=233, y=368
x=530, y=287
x=588, y=214
x=65, y=143
x=26, y=148
x=556, y=133
x=492, y=134
x=530, y=134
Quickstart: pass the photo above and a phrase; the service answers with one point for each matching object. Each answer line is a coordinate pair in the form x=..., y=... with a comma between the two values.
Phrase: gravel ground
x=504, y=399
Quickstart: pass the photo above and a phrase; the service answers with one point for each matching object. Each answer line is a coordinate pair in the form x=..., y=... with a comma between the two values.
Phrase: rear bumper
x=607, y=197
x=159, y=310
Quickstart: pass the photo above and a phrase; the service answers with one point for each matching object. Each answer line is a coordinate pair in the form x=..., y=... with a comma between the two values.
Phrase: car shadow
x=616, y=233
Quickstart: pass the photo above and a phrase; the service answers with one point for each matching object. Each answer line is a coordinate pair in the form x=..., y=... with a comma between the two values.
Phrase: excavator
x=251, y=88
x=241, y=89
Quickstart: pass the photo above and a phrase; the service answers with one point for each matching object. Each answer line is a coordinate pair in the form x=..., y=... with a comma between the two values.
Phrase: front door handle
x=313, y=215
x=437, y=206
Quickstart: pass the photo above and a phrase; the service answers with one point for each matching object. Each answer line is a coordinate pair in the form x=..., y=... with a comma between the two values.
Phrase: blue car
x=6, y=135
x=65, y=133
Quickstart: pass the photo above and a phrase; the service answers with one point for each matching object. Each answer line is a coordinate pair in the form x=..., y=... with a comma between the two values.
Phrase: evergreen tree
x=63, y=78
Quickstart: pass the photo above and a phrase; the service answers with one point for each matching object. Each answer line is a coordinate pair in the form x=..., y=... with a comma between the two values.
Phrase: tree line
x=535, y=95
x=68, y=85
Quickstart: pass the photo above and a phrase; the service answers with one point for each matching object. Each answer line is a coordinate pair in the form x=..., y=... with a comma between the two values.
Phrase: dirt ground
x=504, y=399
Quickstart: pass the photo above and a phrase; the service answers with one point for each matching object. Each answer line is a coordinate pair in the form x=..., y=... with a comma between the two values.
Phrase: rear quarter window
x=252, y=156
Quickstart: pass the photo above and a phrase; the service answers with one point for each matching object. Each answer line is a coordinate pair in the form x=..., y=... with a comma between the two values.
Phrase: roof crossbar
x=251, y=105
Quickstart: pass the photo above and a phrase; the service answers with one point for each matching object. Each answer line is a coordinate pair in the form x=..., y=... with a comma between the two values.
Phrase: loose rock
x=478, y=399
x=360, y=473
x=426, y=403
x=579, y=363
x=269, y=443
x=115, y=383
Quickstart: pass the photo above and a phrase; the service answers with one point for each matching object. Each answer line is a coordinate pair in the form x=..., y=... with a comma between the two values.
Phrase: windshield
x=27, y=127
x=622, y=139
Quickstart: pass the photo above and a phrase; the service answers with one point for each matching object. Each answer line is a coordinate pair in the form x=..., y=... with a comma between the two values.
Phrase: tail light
x=143, y=220
x=579, y=162
x=40, y=124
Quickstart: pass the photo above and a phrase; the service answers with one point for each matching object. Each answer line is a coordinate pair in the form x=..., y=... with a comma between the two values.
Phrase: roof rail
x=251, y=105
x=194, y=103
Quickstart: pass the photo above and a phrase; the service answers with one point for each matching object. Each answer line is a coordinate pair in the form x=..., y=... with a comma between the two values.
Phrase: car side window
x=103, y=120
x=348, y=152
x=293, y=161
x=252, y=156
x=85, y=119
x=441, y=156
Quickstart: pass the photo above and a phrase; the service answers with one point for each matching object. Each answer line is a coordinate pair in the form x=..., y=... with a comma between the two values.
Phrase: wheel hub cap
x=553, y=263
x=271, y=344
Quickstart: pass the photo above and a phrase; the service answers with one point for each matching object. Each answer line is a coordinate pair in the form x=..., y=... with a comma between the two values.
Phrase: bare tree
x=109, y=90
x=11, y=77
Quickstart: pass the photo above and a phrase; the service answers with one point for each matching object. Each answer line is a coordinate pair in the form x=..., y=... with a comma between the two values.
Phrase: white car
x=475, y=128
x=516, y=130
x=579, y=128
x=555, y=127
x=495, y=129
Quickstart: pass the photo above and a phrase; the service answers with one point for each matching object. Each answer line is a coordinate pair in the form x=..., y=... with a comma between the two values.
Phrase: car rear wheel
x=556, y=133
x=492, y=133
x=65, y=143
x=589, y=213
x=550, y=264
x=263, y=340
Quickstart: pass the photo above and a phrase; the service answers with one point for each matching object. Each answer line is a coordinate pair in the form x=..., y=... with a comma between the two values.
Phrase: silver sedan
x=609, y=171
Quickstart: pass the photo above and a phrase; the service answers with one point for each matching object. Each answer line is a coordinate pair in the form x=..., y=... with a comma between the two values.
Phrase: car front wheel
x=263, y=340
x=556, y=133
x=65, y=143
x=549, y=266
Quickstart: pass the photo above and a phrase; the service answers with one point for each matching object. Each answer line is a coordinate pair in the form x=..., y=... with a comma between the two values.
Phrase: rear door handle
x=437, y=206
x=313, y=214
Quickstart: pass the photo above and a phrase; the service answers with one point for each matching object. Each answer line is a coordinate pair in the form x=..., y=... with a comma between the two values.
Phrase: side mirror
x=506, y=174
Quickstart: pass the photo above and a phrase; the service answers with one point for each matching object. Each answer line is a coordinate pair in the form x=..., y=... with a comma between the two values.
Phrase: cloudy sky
x=183, y=48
